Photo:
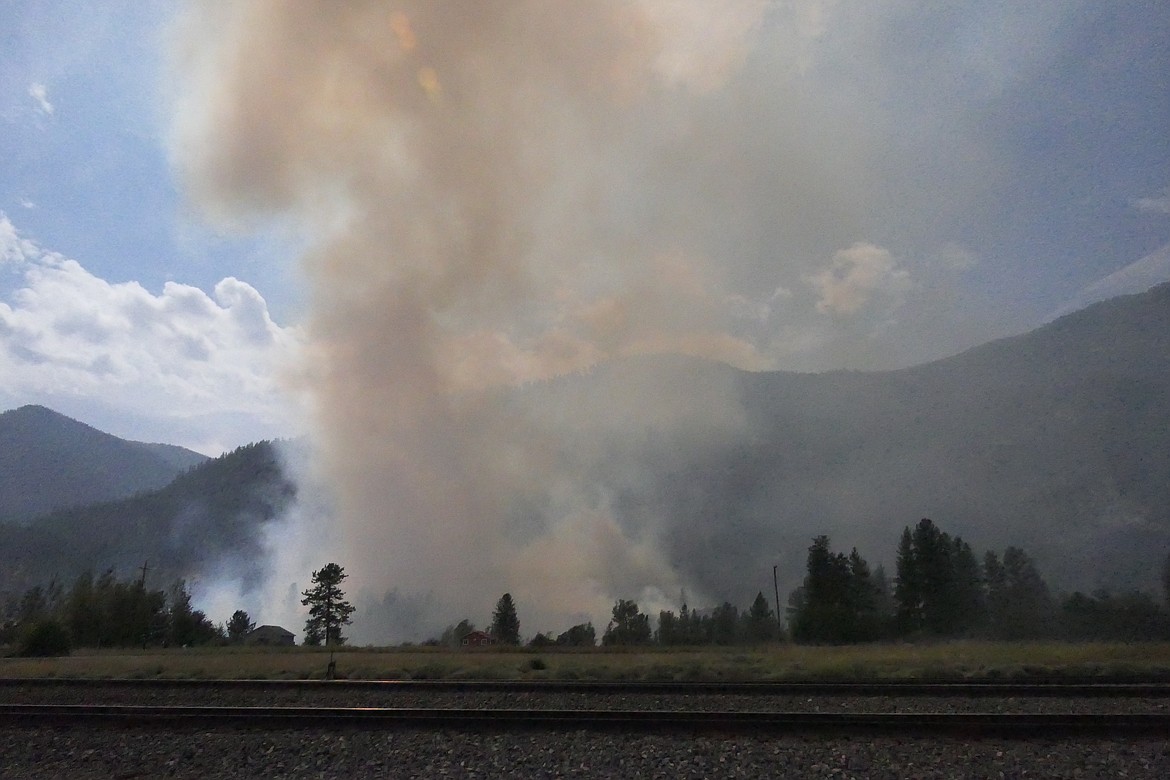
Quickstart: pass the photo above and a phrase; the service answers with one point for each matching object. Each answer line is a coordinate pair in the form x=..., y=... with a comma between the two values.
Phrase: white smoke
x=497, y=194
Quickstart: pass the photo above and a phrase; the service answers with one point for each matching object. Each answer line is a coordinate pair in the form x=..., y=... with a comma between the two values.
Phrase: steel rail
x=982, y=688
x=968, y=724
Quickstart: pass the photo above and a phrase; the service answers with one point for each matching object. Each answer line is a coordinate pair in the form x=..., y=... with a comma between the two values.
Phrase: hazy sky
x=870, y=184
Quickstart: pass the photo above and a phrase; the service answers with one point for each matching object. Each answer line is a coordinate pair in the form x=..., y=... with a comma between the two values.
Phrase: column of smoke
x=478, y=182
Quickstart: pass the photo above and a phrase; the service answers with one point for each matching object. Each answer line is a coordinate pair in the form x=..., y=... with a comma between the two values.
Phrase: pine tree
x=725, y=624
x=1019, y=605
x=908, y=586
x=837, y=602
x=668, y=631
x=239, y=625
x=505, y=624
x=328, y=609
x=939, y=586
x=628, y=627
x=759, y=623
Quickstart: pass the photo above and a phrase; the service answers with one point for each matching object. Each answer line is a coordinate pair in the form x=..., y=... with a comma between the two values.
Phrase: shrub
x=43, y=639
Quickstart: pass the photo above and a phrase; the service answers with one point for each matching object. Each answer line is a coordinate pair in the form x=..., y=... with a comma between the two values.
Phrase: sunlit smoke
x=478, y=181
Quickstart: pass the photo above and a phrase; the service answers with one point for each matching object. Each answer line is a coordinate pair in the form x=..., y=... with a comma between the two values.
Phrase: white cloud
x=855, y=276
x=13, y=248
x=178, y=355
x=39, y=94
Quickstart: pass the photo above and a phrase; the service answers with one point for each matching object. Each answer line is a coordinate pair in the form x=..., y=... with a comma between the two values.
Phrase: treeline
x=104, y=612
x=942, y=589
x=724, y=625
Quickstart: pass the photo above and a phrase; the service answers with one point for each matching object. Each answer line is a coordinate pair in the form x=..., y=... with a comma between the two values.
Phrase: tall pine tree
x=938, y=588
x=505, y=627
x=328, y=609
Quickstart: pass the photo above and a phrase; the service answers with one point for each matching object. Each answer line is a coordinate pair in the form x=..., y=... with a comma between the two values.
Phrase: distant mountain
x=49, y=461
x=1057, y=440
x=211, y=516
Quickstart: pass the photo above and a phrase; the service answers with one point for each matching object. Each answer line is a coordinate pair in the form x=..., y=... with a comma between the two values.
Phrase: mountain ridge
x=1053, y=440
x=49, y=461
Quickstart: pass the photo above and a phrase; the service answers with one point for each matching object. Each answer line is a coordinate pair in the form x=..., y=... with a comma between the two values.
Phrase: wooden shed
x=270, y=636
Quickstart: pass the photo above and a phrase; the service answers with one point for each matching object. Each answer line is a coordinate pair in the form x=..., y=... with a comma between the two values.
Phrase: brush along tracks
x=969, y=709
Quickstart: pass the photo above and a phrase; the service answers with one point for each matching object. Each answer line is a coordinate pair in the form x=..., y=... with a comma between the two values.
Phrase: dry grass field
x=777, y=662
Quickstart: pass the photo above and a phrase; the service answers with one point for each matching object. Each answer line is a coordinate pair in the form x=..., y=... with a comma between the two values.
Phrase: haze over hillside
x=1054, y=440
x=49, y=461
x=210, y=519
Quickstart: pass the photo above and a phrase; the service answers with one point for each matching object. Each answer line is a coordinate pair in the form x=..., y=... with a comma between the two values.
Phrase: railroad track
x=1084, y=688
x=773, y=708
x=966, y=724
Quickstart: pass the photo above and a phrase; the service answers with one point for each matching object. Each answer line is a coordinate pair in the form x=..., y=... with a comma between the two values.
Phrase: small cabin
x=477, y=639
x=270, y=636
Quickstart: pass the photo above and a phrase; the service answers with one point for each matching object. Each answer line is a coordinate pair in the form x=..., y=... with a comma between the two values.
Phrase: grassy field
x=779, y=662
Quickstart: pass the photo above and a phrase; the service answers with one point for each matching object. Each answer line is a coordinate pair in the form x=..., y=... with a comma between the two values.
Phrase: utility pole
x=776, y=587
x=142, y=588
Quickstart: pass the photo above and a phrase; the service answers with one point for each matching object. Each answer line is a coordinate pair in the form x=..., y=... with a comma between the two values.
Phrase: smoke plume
x=495, y=195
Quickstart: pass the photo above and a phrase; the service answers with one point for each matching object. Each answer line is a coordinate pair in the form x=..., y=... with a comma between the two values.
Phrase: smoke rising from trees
x=495, y=196
x=482, y=188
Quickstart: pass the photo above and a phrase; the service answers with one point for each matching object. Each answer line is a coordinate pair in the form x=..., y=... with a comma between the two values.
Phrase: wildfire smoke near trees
x=328, y=609
x=550, y=288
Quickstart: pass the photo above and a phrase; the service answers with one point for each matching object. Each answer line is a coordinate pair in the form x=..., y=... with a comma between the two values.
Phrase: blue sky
x=880, y=185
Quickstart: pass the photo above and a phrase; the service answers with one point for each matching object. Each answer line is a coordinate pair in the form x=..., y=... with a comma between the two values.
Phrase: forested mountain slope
x=49, y=461
x=209, y=517
x=1056, y=440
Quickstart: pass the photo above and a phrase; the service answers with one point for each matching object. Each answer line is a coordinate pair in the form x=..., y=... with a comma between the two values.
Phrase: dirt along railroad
x=122, y=728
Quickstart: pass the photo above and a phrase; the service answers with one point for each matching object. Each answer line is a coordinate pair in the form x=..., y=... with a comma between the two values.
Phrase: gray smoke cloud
x=476, y=182
x=496, y=195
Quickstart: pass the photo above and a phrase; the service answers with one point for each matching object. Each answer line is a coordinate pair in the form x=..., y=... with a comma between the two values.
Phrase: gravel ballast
x=277, y=696
x=108, y=752
x=308, y=753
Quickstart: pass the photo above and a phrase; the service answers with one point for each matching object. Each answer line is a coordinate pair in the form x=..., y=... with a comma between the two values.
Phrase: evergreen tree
x=1131, y=616
x=884, y=609
x=908, y=596
x=82, y=613
x=938, y=587
x=759, y=622
x=505, y=624
x=1019, y=605
x=328, y=609
x=967, y=605
x=837, y=602
x=690, y=627
x=239, y=625
x=628, y=626
x=669, y=631
x=724, y=624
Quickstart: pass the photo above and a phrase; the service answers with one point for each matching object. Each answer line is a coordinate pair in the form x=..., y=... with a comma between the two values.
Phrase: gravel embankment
x=111, y=754
x=324, y=697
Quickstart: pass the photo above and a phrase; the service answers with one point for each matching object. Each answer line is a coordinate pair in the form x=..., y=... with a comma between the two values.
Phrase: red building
x=477, y=639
